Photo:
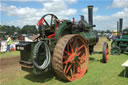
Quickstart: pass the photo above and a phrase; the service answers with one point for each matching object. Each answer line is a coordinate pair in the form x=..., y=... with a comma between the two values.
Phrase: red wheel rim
x=107, y=53
x=75, y=59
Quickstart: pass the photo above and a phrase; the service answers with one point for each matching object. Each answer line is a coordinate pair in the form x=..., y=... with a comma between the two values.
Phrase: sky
x=106, y=13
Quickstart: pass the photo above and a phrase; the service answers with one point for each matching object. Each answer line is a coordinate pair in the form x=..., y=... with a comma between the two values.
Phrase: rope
x=48, y=55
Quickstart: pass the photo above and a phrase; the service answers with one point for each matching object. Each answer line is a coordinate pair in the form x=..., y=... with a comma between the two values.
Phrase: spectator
x=9, y=42
x=113, y=37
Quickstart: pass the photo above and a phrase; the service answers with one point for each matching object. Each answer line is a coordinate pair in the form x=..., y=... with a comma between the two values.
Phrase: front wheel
x=105, y=52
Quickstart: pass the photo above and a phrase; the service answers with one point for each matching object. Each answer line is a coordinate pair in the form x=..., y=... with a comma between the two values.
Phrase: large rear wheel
x=71, y=57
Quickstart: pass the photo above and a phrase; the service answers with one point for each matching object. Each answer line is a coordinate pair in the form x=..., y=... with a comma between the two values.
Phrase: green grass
x=9, y=54
x=98, y=74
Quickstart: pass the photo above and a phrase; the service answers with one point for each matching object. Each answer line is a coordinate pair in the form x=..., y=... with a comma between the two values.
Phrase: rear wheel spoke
x=78, y=62
x=74, y=67
x=68, y=68
x=68, y=48
x=65, y=67
x=67, y=53
x=80, y=47
x=71, y=47
x=68, y=60
x=75, y=49
x=78, y=54
x=75, y=43
x=71, y=73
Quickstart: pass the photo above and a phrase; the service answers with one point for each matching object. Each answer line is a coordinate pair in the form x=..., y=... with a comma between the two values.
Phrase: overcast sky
x=23, y=12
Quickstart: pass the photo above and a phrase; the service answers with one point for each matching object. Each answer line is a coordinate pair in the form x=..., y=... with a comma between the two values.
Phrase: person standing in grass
x=9, y=42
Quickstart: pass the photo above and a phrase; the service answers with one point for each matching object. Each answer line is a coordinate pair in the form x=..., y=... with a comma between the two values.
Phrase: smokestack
x=118, y=29
x=90, y=15
x=82, y=17
x=120, y=25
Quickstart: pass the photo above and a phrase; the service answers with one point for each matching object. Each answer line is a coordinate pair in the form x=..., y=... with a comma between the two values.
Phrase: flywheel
x=71, y=57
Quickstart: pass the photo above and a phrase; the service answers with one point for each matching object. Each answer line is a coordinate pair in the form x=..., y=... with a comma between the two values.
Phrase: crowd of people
x=8, y=41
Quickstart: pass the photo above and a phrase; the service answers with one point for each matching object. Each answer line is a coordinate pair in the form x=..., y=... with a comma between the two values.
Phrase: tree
x=10, y=30
x=29, y=29
x=108, y=31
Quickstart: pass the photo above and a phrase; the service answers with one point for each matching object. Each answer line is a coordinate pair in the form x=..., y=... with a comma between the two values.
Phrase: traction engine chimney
x=90, y=15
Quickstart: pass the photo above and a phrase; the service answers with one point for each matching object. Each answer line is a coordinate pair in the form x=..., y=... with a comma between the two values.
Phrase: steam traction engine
x=120, y=44
x=63, y=46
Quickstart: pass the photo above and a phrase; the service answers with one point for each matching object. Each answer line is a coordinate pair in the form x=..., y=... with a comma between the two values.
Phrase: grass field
x=98, y=73
x=9, y=54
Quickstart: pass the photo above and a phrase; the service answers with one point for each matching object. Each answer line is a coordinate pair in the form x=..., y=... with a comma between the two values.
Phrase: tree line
x=28, y=29
x=11, y=30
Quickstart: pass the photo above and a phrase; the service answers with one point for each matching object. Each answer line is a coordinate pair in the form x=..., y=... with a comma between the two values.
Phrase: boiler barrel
x=91, y=37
